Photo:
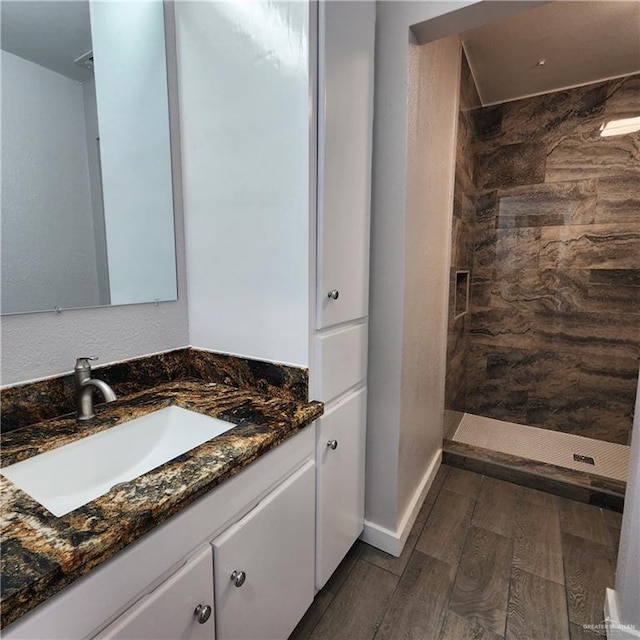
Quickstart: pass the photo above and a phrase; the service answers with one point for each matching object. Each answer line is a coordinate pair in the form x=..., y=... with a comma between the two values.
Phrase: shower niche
x=461, y=294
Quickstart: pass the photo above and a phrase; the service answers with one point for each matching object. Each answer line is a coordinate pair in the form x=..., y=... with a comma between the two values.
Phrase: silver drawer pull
x=202, y=612
x=334, y=294
x=238, y=578
x=332, y=444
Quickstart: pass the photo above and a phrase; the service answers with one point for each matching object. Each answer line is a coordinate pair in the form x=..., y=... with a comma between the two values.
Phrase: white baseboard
x=615, y=628
x=393, y=542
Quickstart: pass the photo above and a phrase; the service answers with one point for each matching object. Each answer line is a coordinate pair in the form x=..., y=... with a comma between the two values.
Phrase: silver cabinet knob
x=332, y=444
x=238, y=578
x=202, y=612
x=334, y=294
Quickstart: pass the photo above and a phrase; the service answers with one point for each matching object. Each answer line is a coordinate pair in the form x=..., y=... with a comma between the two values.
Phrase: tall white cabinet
x=339, y=371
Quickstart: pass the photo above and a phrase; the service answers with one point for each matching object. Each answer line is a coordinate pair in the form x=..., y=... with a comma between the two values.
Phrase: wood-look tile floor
x=485, y=560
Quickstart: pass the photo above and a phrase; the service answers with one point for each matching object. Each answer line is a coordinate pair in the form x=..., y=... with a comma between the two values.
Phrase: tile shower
x=547, y=224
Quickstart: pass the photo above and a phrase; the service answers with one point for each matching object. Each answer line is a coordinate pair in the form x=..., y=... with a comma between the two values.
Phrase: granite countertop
x=41, y=554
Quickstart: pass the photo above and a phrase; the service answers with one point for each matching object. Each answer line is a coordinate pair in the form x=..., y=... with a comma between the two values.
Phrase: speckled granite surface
x=41, y=554
x=270, y=378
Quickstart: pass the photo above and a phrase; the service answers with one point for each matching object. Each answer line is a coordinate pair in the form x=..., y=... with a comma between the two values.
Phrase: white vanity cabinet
x=262, y=569
x=180, y=608
x=264, y=564
x=261, y=521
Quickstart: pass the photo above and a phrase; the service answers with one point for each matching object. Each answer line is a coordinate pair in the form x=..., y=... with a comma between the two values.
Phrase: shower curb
x=568, y=483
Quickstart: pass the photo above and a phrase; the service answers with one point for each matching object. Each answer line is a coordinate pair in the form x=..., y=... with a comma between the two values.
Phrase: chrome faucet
x=84, y=388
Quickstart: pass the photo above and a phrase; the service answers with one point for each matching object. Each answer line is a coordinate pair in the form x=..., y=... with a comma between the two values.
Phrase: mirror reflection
x=87, y=200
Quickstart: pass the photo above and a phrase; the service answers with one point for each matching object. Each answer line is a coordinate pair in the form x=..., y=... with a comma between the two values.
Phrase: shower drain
x=586, y=459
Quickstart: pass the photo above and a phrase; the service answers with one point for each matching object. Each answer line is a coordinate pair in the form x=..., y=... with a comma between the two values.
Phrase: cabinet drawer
x=168, y=612
x=341, y=359
x=274, y=546
x=340, y=481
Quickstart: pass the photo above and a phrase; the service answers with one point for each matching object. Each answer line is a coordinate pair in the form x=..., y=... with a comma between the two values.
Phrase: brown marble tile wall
x=462, y=236
x=33, y=402
x=554, y=332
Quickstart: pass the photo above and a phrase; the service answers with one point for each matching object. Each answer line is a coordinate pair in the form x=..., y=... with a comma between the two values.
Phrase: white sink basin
x=70, y=476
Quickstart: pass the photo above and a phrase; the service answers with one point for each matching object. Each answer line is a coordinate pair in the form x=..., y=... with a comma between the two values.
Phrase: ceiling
x=580, y=43
x=51, y=33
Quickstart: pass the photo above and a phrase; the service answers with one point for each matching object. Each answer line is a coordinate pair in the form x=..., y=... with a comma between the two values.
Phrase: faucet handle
x=83, y=362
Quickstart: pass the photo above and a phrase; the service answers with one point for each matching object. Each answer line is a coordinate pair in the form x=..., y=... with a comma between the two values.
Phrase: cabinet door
x=169, y=612
x=345, y=93
x=340, y=481
x=273, y=546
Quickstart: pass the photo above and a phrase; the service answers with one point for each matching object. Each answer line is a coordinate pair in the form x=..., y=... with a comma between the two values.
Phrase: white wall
x=387, y=307
x=244, y=104
x=133, y=117
x=434, y=81
x=48, y=248
x=252, y=294
x=407, y=295
x=628, y=570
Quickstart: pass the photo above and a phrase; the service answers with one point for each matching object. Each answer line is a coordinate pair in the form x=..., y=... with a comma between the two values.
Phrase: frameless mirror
x=87, y=198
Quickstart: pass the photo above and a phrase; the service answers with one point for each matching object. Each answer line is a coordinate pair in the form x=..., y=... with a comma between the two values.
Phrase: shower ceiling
x=579, y=42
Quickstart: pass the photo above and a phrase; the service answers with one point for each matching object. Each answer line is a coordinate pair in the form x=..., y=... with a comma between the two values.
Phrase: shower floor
x=543, y=445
